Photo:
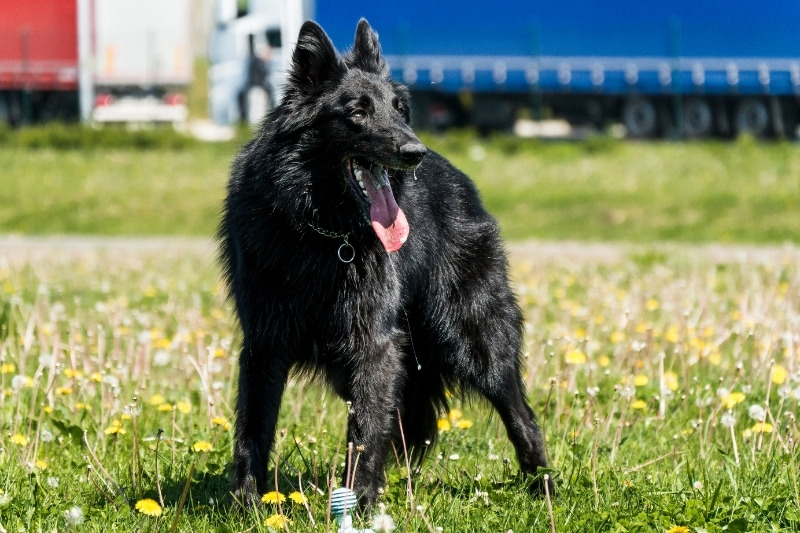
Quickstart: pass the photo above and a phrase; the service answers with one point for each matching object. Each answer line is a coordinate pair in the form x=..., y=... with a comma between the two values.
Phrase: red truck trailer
x=100, y=60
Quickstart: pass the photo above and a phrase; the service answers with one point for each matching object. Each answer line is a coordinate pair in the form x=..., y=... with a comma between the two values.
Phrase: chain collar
x=346, y=252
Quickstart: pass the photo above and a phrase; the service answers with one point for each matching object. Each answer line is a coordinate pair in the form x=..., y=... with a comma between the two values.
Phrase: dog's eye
x=358, y=113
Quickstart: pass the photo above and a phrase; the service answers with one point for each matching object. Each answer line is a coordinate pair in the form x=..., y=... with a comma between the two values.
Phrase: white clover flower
x=454, y=457
x=5, y=499
x=728, y=420
x=74, y=516
x=757, y=413
x=52, y=482
x=698, y=485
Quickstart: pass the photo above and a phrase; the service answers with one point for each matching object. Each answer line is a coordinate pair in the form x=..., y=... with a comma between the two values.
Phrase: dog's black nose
x=412, y=153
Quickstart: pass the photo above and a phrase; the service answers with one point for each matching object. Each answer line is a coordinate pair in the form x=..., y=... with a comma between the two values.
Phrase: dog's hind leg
x=262, y=379
x=504, y=389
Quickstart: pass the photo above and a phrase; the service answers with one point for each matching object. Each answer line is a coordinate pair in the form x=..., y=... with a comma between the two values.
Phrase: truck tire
x=639, y=118
x=751, y=117
x=697, y=119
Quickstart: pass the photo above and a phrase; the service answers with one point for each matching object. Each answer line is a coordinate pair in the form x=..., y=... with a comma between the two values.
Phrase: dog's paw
x=246, y=494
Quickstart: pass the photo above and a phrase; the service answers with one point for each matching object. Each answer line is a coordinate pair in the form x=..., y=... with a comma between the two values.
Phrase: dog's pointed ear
x=366, y=52
x=314, y=60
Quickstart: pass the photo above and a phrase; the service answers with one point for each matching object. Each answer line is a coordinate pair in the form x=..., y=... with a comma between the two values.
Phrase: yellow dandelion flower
x=671, y=334
x=162, y=343
x=671, y=380
x=455, y=414
x=96, y=377
x=603, y=361
x=115, y=428
x=40, y=464
x=64, y=391
x=640, y=380
x=575, y=357
x=464, y=424
x=627, y=483
x=678, y=529
x=639, y=404
x=184, y=407
x=149, y=292
x=298, y=497
x=48, y=409
x=642, y=327
x=779, y=374
x=148, y=507
x=72, y=373
x=83, y=406
x=221, y=422
x=164, y=407
x=219, y=352
x=617, y=337
x=443, y=424
x=276, y=521
x=579, y=333
x=762, y=427
x=19, y=439
x=157, y=399
x=732, y=399
x=715, y=358
x=202, y=446
x=652, y=304
x=7, y=368
x=273, y=497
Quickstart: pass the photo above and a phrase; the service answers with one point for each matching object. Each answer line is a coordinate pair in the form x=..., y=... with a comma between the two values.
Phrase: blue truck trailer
x=690, y=68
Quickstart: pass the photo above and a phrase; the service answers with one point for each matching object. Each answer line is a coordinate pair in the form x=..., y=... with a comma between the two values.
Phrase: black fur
x=442, y=299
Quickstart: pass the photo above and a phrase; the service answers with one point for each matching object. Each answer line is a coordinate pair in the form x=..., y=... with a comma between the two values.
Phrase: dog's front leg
x=373, y=389
x=262, y=379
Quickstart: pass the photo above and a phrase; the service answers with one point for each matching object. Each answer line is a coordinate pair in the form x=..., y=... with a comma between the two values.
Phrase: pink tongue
x=388, y=220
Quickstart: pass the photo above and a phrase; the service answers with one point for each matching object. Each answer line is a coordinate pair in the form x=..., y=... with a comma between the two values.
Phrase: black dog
x=328, y=273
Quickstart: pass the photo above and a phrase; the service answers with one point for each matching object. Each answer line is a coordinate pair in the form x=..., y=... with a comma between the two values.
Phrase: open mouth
x=371, y=183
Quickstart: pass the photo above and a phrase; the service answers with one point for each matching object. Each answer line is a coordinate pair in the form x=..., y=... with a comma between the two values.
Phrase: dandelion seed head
x=757, y=413
x=161, y=358
x=728, y=420
x=74, y=516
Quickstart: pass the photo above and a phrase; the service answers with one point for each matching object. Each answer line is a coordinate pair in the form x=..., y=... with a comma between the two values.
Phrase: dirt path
x=17, y=250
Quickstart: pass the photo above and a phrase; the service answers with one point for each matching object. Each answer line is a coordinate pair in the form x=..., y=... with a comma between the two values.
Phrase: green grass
x=86, y=334
x=601, y=189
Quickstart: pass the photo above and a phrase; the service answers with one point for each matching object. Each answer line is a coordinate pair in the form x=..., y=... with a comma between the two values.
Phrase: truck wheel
x=697, y=118
x=751, y=117
x=639, y=118
x=5, y=115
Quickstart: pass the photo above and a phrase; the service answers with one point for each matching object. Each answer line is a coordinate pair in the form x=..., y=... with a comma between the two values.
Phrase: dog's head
x=361, y=117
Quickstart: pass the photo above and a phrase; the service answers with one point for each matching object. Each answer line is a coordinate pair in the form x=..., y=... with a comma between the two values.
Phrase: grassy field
x=666, y=384
x=598, y=190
